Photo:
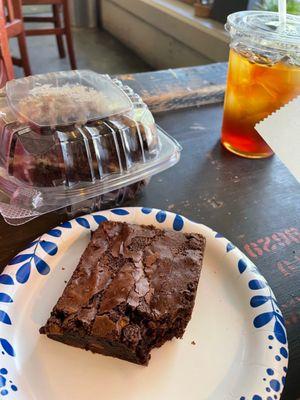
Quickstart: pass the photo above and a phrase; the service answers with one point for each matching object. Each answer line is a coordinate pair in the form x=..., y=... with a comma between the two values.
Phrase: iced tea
x=254, y=91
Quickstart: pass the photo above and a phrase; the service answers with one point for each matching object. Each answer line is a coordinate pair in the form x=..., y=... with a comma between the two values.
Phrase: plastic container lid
x=70, y=136
x=263, y=28
x=64, y=98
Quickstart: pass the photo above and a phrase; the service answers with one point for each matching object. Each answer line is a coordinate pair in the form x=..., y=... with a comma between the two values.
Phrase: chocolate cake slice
x=133, y=289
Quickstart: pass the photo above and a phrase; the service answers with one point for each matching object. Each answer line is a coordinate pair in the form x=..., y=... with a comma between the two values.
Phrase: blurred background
x=125, y=36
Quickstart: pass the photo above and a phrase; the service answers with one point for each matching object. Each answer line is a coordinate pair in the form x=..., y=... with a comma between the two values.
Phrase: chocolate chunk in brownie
x=133, y=289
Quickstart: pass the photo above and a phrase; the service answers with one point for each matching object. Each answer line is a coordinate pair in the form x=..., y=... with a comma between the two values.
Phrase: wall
x=165, y=33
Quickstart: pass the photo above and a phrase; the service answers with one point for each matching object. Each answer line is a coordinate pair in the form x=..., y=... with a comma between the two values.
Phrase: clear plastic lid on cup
x=261, y=32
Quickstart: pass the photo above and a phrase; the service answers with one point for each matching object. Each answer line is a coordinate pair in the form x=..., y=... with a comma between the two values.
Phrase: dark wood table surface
x=254, y=203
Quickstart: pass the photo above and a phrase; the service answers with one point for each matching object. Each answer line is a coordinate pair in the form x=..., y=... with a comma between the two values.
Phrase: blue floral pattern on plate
x=37, y=255
x=270, y=316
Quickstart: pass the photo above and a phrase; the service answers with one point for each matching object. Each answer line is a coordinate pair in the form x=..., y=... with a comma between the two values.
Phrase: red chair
x=59, y=29
x=6, y=65
x=15, y=28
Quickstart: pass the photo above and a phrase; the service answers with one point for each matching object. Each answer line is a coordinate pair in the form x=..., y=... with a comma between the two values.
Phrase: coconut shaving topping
x=52, y=106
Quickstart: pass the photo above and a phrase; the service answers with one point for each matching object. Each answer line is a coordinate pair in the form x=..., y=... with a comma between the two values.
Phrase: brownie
x=65, y=156
x=133, y=289
x=37, y=158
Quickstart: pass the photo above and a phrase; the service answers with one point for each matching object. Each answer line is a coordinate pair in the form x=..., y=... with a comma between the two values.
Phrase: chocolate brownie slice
x=133, y=290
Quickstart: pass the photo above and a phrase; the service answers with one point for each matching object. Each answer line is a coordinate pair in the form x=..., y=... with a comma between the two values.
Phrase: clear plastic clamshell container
x=75, y=138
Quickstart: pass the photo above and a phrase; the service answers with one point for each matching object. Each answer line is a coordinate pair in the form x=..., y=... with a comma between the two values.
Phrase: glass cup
x=263, y=75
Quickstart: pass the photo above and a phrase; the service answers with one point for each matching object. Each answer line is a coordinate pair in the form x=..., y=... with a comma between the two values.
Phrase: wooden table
x=254, y=203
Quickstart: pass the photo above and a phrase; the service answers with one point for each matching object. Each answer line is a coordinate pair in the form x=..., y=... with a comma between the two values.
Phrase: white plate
x=234, y=347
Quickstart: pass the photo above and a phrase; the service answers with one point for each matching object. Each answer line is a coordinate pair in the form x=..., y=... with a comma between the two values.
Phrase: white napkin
x=281, y=131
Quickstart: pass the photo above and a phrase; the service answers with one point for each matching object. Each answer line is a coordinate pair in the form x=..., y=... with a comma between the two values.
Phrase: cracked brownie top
x=134, y=284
